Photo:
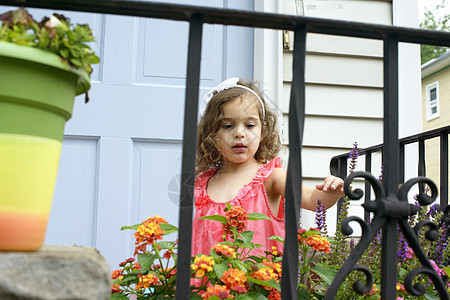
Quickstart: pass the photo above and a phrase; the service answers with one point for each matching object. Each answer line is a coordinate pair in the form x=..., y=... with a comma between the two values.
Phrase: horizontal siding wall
x=344, y=93
x=432, y=147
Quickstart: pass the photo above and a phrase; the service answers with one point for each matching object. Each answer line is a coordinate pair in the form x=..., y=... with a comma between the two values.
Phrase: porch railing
x=338, y=164
x=388, y=196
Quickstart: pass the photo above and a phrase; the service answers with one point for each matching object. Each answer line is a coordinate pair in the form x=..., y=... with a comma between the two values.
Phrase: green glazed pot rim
x=46, y=58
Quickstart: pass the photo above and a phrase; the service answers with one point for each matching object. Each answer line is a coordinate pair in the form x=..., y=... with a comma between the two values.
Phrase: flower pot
x=37, y=90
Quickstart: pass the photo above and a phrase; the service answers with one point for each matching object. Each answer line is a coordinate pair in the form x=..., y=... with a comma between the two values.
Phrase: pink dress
x=253, y=197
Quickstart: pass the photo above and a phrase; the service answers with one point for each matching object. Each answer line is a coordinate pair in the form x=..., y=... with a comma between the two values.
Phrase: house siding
x=432, y=147
x=344, y=92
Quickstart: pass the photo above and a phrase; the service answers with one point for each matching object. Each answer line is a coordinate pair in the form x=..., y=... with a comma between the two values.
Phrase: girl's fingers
x=331, y=183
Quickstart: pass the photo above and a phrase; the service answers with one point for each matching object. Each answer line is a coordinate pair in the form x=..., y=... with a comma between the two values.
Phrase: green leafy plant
x=229, y=271
x=54, y=34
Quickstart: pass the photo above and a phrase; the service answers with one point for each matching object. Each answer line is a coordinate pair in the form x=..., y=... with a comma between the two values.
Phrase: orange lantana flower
x=265, y=274
x=219, y=291
x=224, y=250
x=235, y=280
x=236, y=217
x=274, y=295
x=115, y=288
x=116, y=274
x=148, y=232
x=146, y=281
x=275, y=266
x=319, y=243
x=202, y=265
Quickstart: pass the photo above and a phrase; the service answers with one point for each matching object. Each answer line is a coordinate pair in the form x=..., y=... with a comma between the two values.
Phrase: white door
x=122, y=151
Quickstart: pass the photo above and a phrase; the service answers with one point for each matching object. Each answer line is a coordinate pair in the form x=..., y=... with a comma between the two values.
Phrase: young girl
x=236, y=163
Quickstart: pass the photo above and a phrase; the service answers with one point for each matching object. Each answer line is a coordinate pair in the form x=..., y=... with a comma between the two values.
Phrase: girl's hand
x=333, y=186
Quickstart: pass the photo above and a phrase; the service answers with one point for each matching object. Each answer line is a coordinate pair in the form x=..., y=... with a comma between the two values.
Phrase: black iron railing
x=388, y=197
x=391, y=209
x=338, y=164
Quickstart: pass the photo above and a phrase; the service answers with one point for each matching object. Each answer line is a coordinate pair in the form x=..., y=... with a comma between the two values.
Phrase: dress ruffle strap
x=200, y=195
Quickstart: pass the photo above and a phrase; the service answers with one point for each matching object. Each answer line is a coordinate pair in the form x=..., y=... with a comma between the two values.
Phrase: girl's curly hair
x=208, y=155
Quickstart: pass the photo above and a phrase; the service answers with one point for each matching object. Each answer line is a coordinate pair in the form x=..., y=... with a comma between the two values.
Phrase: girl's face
x=240, y=131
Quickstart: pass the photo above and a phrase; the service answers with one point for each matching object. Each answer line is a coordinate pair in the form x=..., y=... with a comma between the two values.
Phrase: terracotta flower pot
x=37, y=91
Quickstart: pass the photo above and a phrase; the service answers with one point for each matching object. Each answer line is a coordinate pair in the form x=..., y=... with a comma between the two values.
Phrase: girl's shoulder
x=277, y=176
x=271, y=169
x=205, y=176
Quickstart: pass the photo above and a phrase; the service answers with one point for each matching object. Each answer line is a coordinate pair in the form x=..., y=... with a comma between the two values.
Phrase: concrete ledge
x=54, y=272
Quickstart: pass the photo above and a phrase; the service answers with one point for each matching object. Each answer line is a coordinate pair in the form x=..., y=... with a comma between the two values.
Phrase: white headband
x=224, y=85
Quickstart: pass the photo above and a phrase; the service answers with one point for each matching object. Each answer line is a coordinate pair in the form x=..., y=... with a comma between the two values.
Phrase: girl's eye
x=227, y=126
x=250, y=125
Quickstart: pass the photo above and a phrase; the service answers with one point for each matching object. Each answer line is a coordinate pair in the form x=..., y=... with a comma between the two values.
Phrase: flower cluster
x=266, y=274
x=224, y=250
x=275, y=266
x=202, y=265
x=313, y=238
x=318, y=243
x=147, y=233
x=236, y=217
x=228, y=272
x=321, y=217
x=153, y=272
x=219, y=291
x=146, y=281
x=235, y=280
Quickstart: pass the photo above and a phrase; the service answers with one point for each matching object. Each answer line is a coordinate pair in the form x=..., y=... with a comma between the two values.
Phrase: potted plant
x=44, y=65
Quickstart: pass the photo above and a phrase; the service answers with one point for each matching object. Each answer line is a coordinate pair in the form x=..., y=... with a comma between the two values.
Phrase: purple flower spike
x=354, y=154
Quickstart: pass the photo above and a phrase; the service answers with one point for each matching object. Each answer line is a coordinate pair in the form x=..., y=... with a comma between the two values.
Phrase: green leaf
x=447, y=271
x=146, y=260
x=276, y=238
x=118, y=296
x=303, y=295
x=166, y=244
x=168, y=228
x=271, y=283
x=76, y=62
x=247, y=236
x=257, y=216
x=251, y=296
x=430, y=296
x=327, y=273
x=219, y=218
x=196, y=296
x=64, y=53
x=219, y=269
x=237, y=264
x=127, y=278
x=134, y=227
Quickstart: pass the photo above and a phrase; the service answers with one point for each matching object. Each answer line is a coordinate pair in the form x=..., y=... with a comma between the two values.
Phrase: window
x=432, y=100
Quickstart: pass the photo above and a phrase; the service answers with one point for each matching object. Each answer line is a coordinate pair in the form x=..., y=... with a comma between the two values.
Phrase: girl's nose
x=239, y=135
x=239, y=132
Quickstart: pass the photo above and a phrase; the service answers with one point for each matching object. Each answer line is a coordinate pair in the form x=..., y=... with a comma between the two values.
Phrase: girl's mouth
x=239, y=148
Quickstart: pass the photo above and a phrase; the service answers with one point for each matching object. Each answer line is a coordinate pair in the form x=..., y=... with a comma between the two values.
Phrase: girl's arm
x=329, y=191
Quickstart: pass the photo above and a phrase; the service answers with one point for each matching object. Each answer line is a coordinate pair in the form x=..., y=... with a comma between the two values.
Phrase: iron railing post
x=294, y=171
x=188, y=157
x=390, y=165
x=444, y=169
x=367, y=190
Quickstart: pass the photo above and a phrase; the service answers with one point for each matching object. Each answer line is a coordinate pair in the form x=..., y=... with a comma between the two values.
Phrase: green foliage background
x=433, y=22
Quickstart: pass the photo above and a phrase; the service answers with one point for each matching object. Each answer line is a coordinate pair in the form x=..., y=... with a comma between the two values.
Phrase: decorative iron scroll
x=396, y=210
